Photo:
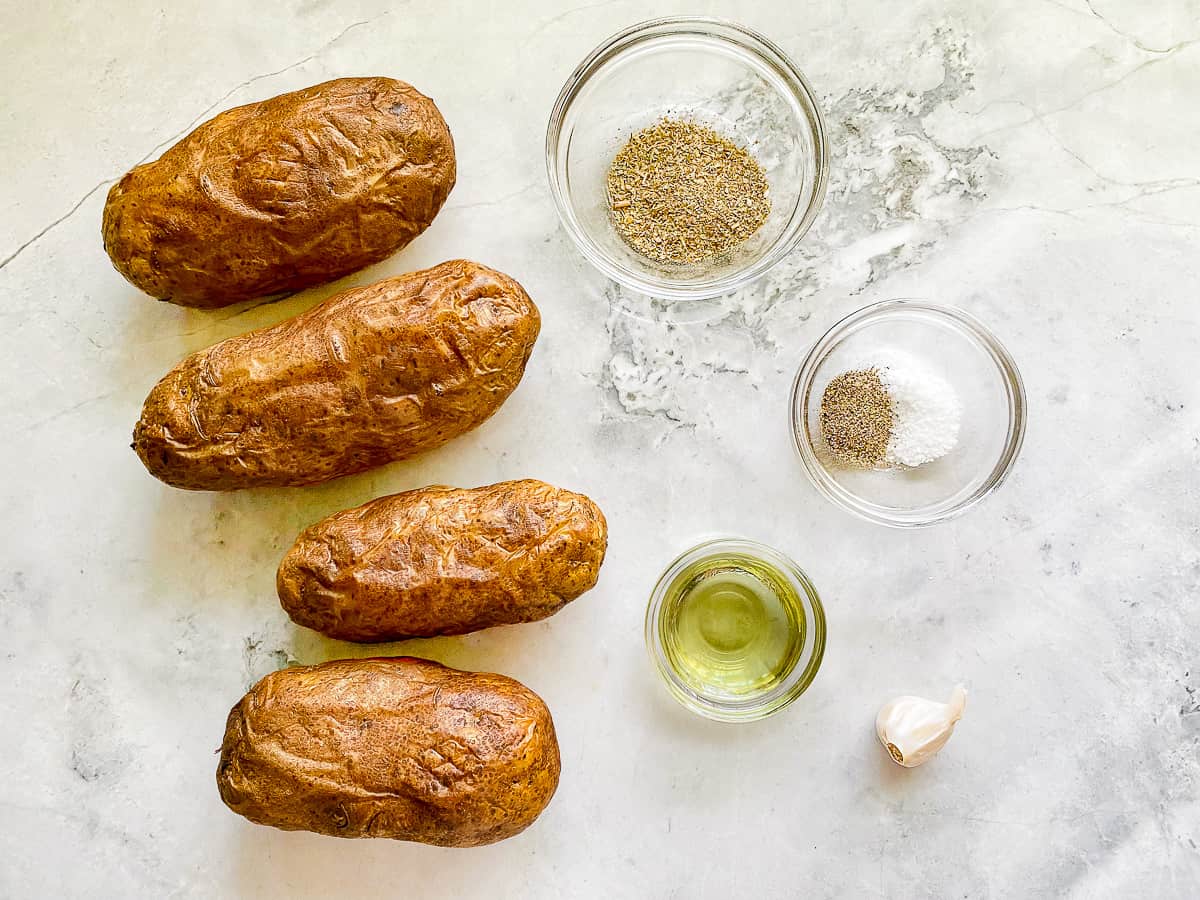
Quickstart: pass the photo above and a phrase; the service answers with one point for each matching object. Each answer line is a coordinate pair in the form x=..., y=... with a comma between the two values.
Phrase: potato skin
x=372, y=375
x=284, y=194
x=444, y=560
x=399, y=748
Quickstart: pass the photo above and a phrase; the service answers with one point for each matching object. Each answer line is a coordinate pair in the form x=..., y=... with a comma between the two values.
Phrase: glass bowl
x=800, y=617
x=705, y=70
x=960, y=349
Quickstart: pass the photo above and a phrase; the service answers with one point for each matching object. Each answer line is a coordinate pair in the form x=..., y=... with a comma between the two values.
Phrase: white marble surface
x=1034, y=161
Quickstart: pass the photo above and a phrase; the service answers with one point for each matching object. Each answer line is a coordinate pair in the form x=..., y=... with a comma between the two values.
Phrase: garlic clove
x=913, y=729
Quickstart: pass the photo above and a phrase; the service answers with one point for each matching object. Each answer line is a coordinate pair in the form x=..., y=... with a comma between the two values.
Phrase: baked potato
x=398, y=748
x=443, y=560
x=372, y=375
x=283, y=194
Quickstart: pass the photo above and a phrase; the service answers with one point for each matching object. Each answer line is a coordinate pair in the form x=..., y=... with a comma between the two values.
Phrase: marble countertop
x=1034, y=162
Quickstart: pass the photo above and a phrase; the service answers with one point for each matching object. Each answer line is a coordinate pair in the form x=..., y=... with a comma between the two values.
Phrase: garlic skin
x=913, y=729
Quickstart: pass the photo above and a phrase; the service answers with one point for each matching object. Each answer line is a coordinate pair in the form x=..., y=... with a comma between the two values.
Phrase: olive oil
x=732, y=625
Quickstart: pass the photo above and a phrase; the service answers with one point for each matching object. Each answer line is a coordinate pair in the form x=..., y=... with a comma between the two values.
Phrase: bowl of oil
x=735, y=629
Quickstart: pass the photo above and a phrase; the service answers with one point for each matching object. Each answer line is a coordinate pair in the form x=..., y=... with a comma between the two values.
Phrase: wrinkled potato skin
x=444, y=561
x=397, y=748
x=372, y=375
x=284, y=194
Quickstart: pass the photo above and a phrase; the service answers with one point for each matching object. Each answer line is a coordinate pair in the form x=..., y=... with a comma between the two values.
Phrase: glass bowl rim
x=769, y=702
x=746, y=39
x=965, y=323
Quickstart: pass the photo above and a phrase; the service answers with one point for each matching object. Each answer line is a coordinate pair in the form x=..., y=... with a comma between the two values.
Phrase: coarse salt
x=926, y=411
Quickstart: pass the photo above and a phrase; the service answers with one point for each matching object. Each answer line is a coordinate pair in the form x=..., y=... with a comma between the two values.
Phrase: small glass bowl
x=959, y=348
x=810, y=621
x=704, y=70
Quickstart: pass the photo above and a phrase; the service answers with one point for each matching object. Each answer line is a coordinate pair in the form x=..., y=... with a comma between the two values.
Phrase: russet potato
x=397, y=748
x=372, y=375
x=284, y=194
x=444, y=560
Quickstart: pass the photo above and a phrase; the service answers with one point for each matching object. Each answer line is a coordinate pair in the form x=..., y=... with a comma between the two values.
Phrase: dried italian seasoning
x=857, y=418
x=682, y=193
